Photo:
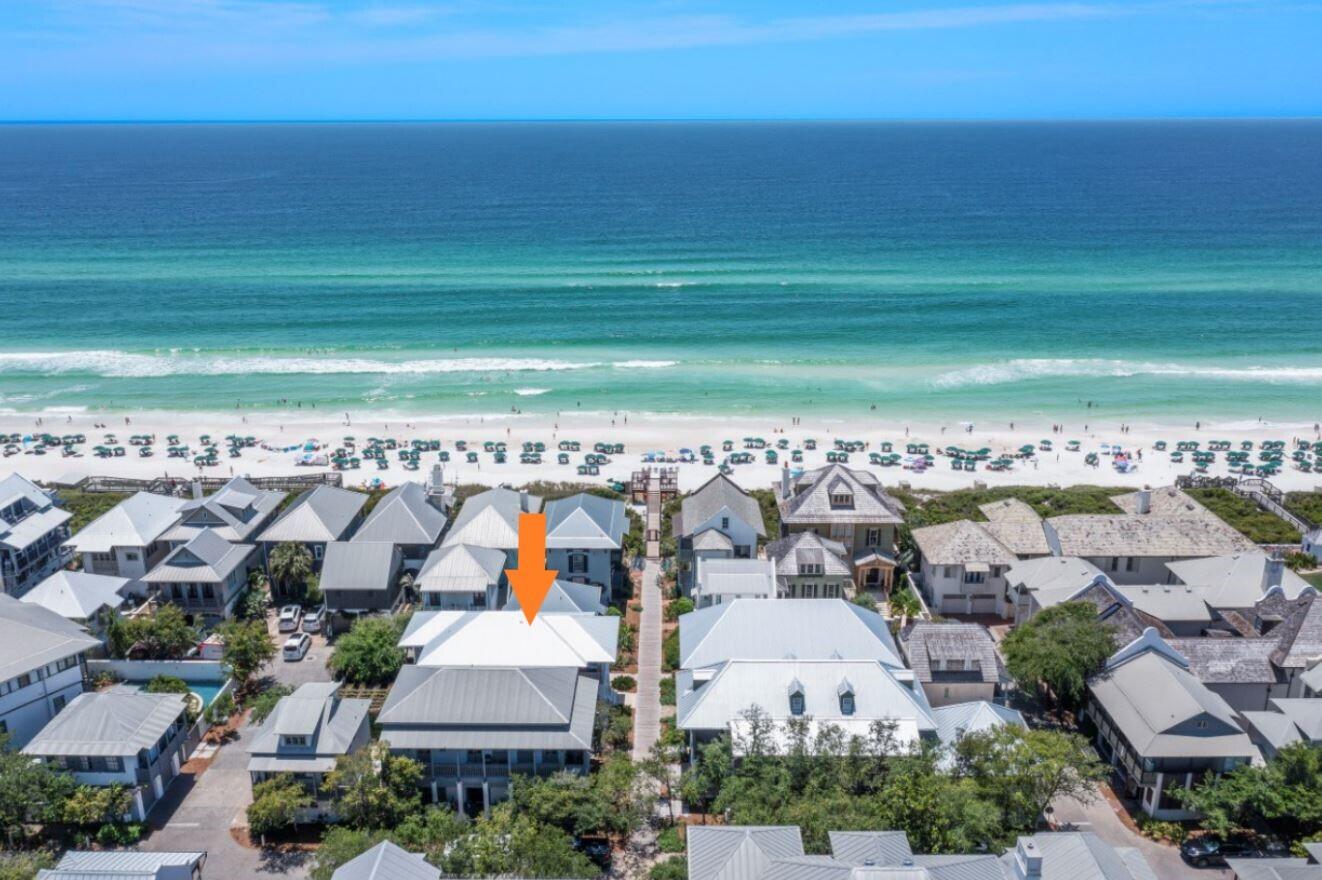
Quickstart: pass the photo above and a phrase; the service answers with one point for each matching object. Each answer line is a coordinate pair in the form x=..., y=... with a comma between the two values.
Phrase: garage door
x=955, y=604
x=984, y=603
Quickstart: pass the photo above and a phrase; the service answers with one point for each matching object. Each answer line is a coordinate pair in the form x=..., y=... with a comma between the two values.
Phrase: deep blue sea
x=1165, y=271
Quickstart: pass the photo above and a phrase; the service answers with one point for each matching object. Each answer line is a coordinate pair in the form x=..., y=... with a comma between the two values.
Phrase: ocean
x=1161, y=271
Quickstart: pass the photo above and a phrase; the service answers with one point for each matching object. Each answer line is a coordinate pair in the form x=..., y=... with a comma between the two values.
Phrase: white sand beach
x=639, y=434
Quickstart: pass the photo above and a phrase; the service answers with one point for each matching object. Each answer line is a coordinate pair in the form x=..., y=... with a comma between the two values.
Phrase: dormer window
x=842, y=499
x=725, y=523
x=796, y=703
x=847, y=703
x=810, y=568
x=295, y=740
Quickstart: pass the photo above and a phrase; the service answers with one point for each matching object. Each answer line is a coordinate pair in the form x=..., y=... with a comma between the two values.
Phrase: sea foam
x=1026, y=369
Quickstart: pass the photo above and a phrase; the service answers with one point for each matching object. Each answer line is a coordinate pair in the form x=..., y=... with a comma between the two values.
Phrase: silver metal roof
x=235, y=511
x=386, y=861
x=725, y=852
x=585, y=522
x=479, y=708
x=137, y=521
x=33, y=527
x=77, y=595
x=123, y=865
x=314, y=710
x=117, y=722
x=956, y=719
x=321, y=514
x=870, y=847
x=207, y=557
x=505, y=638
x=566, y=597
x=404, y=516
x=1082, y=855
x=32, y=636
x=735, y=577
x=366, y=567
x=806, y=629
x=461, y=568
x=491, y=519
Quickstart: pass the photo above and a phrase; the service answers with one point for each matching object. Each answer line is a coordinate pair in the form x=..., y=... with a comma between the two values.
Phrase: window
x=948, y=571
x=208, y=591
x=24, y=680
x=1200, y=724
x=578, y=562
x=975, y=577
x=842, y=499
x=796, y=703
x=318, y=551
x=955, y=665
x=874, y=538
x=66, y=663
x=131, y=556
x=113, y=764
x=295, y=740
x=847, y=703
x=1131, y=564
x=725, y=522
x=809, y=568
x=58, y=703
x=1115, y=563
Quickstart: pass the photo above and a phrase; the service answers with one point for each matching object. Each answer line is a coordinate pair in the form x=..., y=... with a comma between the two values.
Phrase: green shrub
x=263, y=704
x=671, y=869
x=670, y=651
x=625, y=683
x=221, y=709
x=670, y=840
x=668, y=691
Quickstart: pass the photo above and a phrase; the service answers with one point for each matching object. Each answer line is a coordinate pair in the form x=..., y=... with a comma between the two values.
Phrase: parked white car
x=296, y=646
x=314, y=620
x=290, y=615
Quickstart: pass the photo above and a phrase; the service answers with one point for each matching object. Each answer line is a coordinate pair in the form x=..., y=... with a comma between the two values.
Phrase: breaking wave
x=1025, y=369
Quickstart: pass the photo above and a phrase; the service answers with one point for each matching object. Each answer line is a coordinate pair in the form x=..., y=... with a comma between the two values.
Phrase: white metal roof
x=504, y=638
x=32, y=636
x=137, y=521
x=77, y=595
x=108, y=723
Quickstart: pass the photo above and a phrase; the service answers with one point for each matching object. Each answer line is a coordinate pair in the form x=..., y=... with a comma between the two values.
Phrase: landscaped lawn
x=1255, y=523
x=1315, y=579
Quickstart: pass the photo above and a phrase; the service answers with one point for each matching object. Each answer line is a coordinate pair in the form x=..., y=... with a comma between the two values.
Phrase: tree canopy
x=369, y=652
x=374, y=788
x=276, y=803
x=161, y=635
x=1058, y=650
x=1284, y=795
x=290, y=564
x=247, y=649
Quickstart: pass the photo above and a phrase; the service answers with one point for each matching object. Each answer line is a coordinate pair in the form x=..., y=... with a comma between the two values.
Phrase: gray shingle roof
x=116, y=722
x=811, y=502
x=1229, y=660
x=404, y=516
x=489, y=708
x=386, y=861
x=77, y=595
x=1016, y=524
x=718, y=492
x=1176, y=526
x=235, y=511
x=205, y=558
x=137, y=521
x=461, y=568
x=368, y=566
x=1301, y=633
x=925, y=641
x=32, y=636
x=808, y=548
x=585, y=522
x=807, y=629
x=960, y=543
x=321, y=514
x=491, y=519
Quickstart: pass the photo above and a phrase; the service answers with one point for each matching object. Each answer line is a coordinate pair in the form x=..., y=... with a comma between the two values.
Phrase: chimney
x=1274, y=571
x=785, y=480
x=1143, y=503
x=197, y=489
x=1027, y=859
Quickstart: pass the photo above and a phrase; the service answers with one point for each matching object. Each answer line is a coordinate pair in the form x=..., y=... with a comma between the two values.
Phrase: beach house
x=88, y=600
x=1285, y=722
x=316, y=518
x=236, y=512
x=962, y=567
x=205, y=575
x=850, y=508
x=359, y=577
x=42, y=666
x=754, y=701
x=809, y=566
x=566, y=597
x=716, y=581
x=954, y=662
x=33, y=532
x=473, y=728
x=586, y=643
x=409, y=517
x=126, y=541
x=1160, y=727
x=462, y=577
x=585, y=540
x=120, y=737
x=717, y=521
x=491, y=519
x=304, y=735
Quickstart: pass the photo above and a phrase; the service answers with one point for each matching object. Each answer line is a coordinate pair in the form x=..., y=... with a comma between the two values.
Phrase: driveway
x=201, y=810
x=294, y=673
x=1103, y=816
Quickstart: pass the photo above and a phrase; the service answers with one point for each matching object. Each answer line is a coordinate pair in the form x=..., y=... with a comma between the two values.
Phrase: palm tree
x=290, y=563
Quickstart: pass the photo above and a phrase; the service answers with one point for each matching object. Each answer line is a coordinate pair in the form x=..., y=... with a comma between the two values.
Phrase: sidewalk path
x=647, y=705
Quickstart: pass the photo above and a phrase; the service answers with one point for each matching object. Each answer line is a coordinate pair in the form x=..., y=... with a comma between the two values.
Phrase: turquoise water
x=1163, y=271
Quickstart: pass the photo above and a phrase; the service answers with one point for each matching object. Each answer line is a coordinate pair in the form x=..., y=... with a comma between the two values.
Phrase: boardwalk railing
x=1258, y=490
x=181, y=486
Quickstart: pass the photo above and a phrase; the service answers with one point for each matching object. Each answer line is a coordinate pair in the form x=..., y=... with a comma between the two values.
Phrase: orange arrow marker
x=532, y=579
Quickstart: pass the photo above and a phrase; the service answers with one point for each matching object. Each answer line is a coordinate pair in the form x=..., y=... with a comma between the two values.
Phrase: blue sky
x=354, y=59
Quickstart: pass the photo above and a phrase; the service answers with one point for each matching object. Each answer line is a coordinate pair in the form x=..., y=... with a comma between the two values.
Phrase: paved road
x=647, y=704
x=1099, y=815
x=199, y=811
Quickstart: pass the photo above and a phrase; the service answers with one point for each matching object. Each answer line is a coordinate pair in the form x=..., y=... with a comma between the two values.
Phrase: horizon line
x=460, y=120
